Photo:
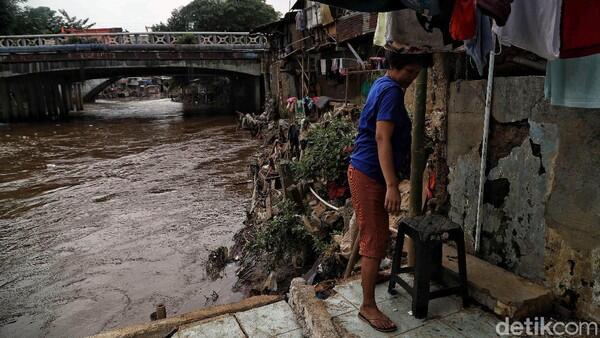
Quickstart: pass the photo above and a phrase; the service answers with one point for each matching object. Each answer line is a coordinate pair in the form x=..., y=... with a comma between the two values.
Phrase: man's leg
x=369, y=271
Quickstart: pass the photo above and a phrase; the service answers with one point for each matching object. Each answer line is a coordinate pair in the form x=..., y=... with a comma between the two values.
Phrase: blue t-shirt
x=384, y=103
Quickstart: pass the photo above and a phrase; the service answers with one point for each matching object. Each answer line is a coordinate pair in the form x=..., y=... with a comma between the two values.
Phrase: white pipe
x=322, y=200
x=484, y=144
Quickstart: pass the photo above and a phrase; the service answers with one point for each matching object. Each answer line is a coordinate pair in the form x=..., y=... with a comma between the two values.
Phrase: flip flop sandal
x=380, y=329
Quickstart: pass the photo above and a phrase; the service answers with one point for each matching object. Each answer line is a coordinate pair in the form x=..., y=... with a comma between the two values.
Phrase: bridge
x=41, y=76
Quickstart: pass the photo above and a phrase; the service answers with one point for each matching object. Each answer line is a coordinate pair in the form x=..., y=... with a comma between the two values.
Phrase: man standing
x=380, y=158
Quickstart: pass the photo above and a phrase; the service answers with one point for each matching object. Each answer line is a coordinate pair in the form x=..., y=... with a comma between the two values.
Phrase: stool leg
x=420, y=297
x=462, y=269
x=436, y=262
x=397, y=259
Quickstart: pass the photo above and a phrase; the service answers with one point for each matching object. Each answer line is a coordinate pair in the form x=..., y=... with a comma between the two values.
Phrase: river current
x=109, y=213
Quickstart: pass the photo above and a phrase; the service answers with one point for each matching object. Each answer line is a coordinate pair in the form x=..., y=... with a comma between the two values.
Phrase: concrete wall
x=542, y=201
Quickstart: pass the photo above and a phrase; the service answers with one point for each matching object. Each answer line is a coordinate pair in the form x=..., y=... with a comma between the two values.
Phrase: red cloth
x=335, y=191
x=463, y=22
x=580, y=28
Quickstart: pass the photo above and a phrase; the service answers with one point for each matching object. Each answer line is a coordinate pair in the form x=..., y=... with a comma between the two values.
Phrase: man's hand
x=393, y=200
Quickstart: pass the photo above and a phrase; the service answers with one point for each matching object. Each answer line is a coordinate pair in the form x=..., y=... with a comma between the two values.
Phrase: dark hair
x=395, y=60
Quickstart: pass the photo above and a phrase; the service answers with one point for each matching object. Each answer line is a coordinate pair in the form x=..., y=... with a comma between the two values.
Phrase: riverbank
x=299, y=220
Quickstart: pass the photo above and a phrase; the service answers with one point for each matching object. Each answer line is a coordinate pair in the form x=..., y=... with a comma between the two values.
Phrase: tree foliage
x=39, y=20
x=71, y=22
x=8, y=15
x=17, y=20
x=219, y=16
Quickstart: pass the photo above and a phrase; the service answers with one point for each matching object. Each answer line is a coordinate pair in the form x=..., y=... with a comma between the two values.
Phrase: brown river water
x=110, y=213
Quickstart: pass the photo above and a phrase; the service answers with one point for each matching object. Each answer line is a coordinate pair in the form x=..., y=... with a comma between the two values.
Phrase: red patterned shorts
x=368, y=199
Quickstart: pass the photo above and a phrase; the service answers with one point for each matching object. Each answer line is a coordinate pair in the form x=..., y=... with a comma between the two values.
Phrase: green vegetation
x=327, y=154
x=186, y=39
x=283, y=237
x=8, y=15
x=18, y=20
x=219, y=15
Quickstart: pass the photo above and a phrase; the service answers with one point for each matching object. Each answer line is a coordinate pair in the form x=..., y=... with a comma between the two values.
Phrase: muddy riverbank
x=110, y=213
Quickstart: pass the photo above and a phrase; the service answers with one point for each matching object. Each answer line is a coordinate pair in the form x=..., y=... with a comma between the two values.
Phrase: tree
x=219, y=15
x=38, y=20
x=17, y=20
x=71, y=22
x=9, y=10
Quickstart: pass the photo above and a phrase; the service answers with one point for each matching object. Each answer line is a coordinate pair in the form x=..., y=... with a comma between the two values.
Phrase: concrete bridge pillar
x=38, y=97
x=5, y=107
x=50, y=99
x=20, y=98
x=79, y=97
x=256, y=86
x=247, y=94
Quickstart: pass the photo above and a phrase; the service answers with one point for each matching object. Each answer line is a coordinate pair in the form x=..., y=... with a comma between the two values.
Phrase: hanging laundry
x=574, y=82
x=300, y=21
x=323, y=66
x=479, y=47
x=311, y=14
x=404, y=32
x=463, y=23
x=379, y=37
x=499, y=10
x=300, y=112
x=343, y=70
x=334, y=65
x=325, y=16
x=291, y=104
x=580, y=33
x=533, y=25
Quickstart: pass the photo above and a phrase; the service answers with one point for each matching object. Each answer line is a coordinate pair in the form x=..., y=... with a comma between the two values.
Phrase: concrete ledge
x=311, y=312
x=501, y=291
x=163, y=327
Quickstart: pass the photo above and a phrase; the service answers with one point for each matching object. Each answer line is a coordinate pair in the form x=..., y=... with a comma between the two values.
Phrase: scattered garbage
x=159, y=313
x=300, y=208
x=217, y=261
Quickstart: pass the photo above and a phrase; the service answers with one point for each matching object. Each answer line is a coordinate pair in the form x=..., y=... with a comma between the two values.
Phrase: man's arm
x=383, y=136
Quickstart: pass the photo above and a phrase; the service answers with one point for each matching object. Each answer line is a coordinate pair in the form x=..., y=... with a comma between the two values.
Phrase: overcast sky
x=132, y=15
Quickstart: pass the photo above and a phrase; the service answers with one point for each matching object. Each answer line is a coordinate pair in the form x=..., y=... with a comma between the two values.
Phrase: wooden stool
x=428, y=233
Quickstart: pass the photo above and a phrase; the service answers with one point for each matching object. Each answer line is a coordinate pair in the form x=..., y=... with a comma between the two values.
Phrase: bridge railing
x=216, y=39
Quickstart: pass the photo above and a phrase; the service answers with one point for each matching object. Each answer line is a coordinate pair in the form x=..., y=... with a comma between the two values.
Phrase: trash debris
x=300, y=221
x=217, y=260
x=159, y=313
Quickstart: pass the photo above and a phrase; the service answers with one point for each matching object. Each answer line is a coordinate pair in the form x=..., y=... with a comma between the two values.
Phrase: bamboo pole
x=417, y=165
x=353, y=256
x=484, y=145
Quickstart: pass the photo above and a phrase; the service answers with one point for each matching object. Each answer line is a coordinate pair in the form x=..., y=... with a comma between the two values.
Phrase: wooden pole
x=417, y=165
x=353, y=256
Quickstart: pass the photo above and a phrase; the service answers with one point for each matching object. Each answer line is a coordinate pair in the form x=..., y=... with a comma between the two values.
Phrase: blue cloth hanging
x=479, y=47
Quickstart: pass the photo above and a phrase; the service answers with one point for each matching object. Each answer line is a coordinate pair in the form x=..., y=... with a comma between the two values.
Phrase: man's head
x=404, y=68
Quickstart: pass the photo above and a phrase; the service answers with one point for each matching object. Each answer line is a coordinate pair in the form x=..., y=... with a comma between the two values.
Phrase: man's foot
x=376, y=319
